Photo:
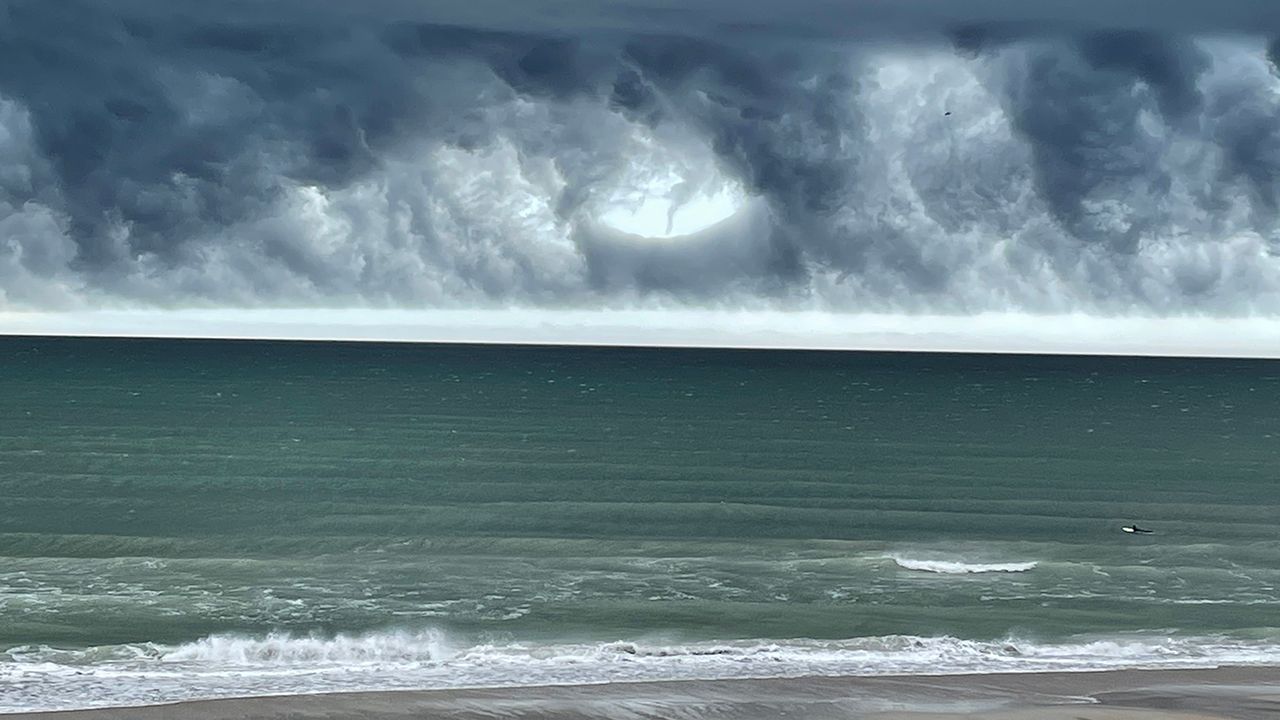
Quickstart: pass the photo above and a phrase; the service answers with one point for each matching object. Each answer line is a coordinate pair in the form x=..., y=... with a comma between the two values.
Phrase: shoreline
x=1237, y=692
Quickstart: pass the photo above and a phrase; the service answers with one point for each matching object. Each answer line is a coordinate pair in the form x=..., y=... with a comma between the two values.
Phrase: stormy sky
x=914, y=157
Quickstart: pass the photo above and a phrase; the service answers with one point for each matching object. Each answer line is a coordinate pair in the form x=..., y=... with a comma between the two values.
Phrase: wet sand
x=1242, y=693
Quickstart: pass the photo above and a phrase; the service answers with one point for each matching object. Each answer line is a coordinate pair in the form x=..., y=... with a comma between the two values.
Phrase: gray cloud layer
x=892, y=156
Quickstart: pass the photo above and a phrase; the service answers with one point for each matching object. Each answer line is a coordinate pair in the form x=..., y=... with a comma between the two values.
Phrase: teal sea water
x=211, y=518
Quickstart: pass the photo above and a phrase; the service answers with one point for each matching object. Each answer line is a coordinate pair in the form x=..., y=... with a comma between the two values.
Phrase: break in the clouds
x=921, y=157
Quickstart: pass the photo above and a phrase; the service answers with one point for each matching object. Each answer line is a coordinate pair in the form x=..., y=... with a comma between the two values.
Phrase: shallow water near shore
x=189, y=519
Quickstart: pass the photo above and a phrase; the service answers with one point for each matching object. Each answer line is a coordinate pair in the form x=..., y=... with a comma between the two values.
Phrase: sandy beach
x=1240, y=693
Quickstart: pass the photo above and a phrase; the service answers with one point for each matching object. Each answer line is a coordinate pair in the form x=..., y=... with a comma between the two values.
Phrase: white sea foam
x=34, y=678
x=955, y=567
x=276, y=649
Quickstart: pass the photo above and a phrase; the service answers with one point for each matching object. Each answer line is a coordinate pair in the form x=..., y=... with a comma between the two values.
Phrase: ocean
x=196, y=518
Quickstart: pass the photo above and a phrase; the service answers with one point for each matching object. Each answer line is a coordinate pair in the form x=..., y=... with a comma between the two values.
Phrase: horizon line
x=1072, y=334
x=620, y=345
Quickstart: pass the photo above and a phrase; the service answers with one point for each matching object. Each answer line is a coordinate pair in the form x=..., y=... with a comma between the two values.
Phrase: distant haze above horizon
x=767, y=330
x=1100, y=176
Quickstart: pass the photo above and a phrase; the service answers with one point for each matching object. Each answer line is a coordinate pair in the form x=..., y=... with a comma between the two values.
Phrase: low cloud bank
x=991, y=332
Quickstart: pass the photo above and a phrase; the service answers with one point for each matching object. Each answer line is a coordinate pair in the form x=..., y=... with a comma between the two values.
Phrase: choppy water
x=204, y=518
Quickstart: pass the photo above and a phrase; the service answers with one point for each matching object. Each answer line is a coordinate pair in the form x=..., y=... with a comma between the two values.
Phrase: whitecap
x=955, y=567
x=42, y=678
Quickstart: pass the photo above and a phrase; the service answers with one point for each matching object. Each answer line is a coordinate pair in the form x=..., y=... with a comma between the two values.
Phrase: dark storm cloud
x=805, y=19
x=1080, y=106
x=916, y=155
x=776, y=120
x=111, y=100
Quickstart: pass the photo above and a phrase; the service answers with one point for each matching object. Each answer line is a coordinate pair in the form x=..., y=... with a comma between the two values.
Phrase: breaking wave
x=42, y=678
x=951, y=567
x=286, y=649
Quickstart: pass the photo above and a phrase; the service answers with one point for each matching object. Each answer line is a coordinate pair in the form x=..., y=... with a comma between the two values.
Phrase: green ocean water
x=478, y=514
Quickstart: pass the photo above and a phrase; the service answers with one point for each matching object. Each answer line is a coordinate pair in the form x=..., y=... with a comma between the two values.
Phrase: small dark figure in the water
x=947, y=114
x=1135, y=529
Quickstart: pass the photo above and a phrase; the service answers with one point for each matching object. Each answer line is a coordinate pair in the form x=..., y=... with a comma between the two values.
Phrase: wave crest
x=287, y=649
x=954, y=567
x=42, y=678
